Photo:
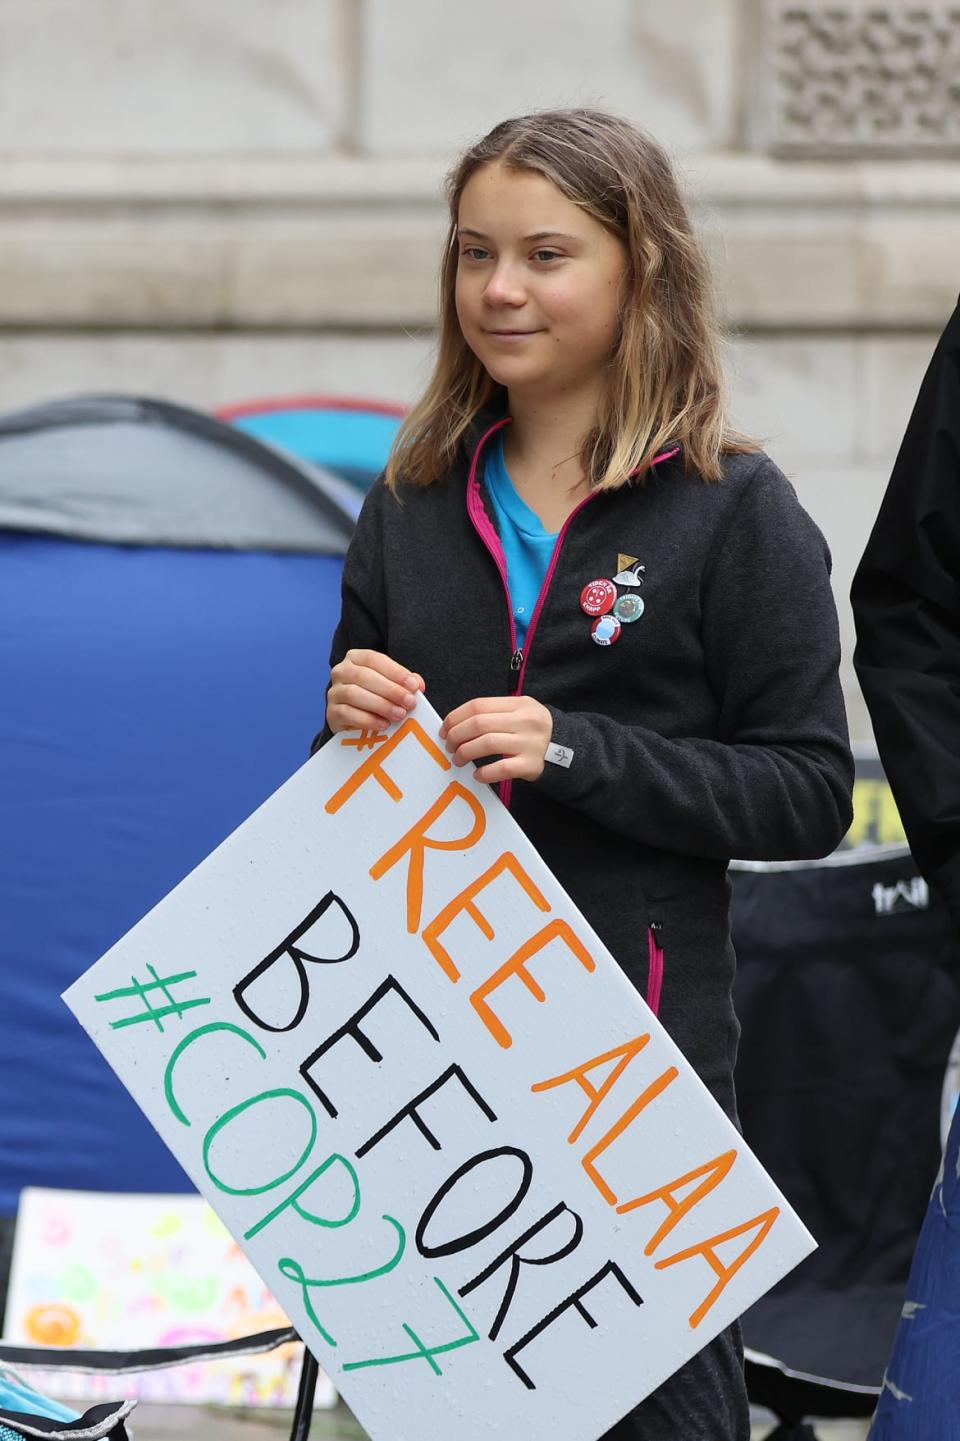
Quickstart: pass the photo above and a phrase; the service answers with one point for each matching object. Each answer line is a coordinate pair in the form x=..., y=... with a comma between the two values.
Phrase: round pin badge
x=606, y=630
x=628, y=608
x=598, y=597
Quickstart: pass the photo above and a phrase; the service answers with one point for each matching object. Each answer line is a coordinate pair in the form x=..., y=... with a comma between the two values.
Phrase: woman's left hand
x=517, y=728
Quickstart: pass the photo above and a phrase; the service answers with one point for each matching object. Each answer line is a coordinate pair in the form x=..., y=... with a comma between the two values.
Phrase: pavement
x=194, y=1423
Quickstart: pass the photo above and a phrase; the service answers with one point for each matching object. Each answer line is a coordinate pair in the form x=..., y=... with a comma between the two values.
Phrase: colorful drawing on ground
x=126, y=1272
x=463, y=1154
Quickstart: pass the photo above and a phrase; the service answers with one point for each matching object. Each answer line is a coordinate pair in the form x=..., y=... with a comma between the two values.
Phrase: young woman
x=617, y=604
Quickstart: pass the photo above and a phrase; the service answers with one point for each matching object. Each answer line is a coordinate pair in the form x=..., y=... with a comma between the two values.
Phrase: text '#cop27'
x=658, y=1212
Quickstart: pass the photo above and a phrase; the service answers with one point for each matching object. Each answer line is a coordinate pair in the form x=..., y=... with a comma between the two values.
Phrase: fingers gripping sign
x=368, y=690
x=515, y=728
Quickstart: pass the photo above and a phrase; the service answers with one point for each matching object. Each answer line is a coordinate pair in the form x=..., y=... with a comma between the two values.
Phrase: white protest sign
x=455, y=1143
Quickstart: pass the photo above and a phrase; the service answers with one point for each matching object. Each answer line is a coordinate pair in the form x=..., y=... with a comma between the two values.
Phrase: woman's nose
x=504, y=286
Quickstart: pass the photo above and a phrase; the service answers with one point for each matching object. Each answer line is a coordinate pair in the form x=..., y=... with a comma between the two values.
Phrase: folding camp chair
x=848, y=992
x=119, y=1363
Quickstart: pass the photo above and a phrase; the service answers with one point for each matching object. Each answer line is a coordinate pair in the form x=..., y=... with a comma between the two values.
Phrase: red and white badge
x=598, y=597
x=606, y=630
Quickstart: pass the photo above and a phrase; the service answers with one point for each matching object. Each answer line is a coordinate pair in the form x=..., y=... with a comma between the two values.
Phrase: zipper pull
x=657, y=929
x=516, y=661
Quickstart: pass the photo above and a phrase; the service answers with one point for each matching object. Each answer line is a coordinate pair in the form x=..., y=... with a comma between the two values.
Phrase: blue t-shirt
x=527, y=546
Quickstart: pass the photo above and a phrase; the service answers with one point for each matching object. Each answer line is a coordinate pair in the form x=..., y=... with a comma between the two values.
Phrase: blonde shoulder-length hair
x=665, y=381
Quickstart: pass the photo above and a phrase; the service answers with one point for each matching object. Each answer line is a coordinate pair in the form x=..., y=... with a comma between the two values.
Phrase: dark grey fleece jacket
x=713, y=727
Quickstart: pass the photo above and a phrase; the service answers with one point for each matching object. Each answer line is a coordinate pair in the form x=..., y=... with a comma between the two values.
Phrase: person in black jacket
x=906, y=604
x=617, y=604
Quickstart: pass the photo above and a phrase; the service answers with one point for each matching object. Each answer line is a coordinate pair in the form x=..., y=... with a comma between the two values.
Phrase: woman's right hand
x=369, y=690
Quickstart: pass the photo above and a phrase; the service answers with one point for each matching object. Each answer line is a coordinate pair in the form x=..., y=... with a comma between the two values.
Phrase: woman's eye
x=474, y=252
x=546, y=255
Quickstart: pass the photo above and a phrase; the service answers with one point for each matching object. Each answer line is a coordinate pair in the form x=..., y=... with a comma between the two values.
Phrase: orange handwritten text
x=417, y=842
x=516, y=966
x=713, y=1172
x=762, y=1224
x=466, y=901
x=366, y=740
x=655, y=1089
x=374, y=766
x=580, y=1073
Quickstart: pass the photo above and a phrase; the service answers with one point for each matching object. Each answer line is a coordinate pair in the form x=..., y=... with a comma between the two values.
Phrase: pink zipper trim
x=485, y=527
x=654, y=972
x=507, y=787
x=487, y=532
x=664, y=455
x=548, y=578
x=547, y=582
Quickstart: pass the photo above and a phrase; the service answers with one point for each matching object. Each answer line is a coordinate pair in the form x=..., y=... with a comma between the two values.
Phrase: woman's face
x=539, y=283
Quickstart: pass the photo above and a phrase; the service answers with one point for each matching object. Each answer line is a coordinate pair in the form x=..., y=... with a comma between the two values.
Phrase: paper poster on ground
x=453, y=1140
x=129, y=1272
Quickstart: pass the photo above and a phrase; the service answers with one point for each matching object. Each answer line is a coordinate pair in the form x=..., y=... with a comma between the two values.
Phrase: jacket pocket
x=655, y=965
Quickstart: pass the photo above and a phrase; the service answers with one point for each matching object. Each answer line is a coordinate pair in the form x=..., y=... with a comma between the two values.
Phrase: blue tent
x=168, y=589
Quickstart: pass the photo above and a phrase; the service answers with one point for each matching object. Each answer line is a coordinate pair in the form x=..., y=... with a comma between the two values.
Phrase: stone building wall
x=233, y=198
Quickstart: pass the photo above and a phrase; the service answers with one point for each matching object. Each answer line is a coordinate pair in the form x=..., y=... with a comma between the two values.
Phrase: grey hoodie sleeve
x=775, y=781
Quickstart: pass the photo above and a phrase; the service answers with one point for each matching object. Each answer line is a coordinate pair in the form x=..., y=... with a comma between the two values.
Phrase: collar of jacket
x=496, y=411
x=481, y=423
